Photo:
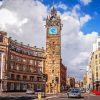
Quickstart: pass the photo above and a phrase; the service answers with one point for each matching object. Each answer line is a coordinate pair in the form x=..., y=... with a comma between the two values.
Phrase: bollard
x=39, y=95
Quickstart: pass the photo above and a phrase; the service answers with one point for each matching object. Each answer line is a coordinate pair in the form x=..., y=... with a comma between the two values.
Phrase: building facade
x=95, y=64
x=54, y=67
x=70, y=82
x=21, y=66
x=89, y=78
x=63, y=74
x=85, y=81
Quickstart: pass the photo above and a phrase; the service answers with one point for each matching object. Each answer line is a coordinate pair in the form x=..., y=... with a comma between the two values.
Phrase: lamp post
x=84, y=79
x=45, y=78
x=2, y=68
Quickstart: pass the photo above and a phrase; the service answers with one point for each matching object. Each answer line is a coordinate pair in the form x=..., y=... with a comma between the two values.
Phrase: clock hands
x=53, y=30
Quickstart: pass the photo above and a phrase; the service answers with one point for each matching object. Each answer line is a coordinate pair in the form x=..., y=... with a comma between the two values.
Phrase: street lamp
x=45, y=78
x=84, y=78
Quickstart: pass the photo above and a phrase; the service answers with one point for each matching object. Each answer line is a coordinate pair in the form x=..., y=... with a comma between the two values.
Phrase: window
x=24, y=68
x=12, y=66
x=24, y=77
x=12, y=86
x=24, y=60
x=32, y=78
x=97, y=74
x=96, y=68
x=35, y=62
x=52, y=71
x=17, y=86
x=53, y=52
x=52, y=81
x=12, y=76
x=53, y=43
x=17, y=67
x=39, y=79
x=39, y=70
x=31, y=69
x=39, y=86
x=96, y=56
x=24, y=86
x=38, y=54
x=12, y=57
x=31, y=61
x=53, y=61
x=18, y=77
x=39, y=63
x=17, y=58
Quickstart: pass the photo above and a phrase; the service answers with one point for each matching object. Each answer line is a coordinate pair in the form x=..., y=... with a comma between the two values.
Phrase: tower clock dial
x=53, y=30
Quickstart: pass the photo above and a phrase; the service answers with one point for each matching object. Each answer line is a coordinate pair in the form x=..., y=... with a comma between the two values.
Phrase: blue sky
x=93, y=9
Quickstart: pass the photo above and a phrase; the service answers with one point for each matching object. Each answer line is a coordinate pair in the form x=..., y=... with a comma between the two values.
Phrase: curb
x=46, y=98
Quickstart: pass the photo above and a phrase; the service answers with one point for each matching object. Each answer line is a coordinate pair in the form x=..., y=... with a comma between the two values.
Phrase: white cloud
x=74, y=11
x=7, y=18
x=86, y=2
x=61, y=5
x=85, y=19
x=77, y=7
x=24, y=18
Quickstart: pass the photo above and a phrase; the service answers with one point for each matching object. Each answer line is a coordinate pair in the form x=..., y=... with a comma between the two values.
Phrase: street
x=62, y=96
x=84, y=97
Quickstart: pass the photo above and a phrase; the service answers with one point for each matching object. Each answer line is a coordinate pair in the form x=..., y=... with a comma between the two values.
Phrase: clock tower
x=53, y=51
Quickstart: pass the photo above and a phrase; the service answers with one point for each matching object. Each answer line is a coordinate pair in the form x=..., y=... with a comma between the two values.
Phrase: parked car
x=74, y=93
x=30, y=91
x=83, y=91
x=70, y=89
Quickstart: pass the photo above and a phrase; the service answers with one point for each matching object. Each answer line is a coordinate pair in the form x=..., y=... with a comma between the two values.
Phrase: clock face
x=52, y=30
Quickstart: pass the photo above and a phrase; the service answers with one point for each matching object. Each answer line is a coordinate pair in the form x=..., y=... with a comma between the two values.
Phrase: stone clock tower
x=53, y=51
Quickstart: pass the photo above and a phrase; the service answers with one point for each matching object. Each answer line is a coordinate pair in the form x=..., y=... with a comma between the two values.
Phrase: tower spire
x=53, y=11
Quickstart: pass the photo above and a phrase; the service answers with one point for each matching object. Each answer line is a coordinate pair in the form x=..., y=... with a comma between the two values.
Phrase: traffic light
x=45, y=77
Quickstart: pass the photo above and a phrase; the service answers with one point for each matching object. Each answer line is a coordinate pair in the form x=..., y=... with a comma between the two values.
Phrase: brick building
x=21, y=66
x=54, y=66
x=63, y=74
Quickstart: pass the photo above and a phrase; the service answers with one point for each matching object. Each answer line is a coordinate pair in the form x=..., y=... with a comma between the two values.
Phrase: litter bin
x=39, y=95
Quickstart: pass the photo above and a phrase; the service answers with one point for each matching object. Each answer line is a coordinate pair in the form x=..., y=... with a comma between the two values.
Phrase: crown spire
x=53, y=11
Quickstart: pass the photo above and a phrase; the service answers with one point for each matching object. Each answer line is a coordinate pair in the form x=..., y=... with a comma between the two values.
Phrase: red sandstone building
x=54, y=68
x=21, y=66
x=63, y=74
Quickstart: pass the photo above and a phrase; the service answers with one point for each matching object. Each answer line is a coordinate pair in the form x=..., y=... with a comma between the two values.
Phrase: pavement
x=60, y=96
x=24, y=96
x=50, y=96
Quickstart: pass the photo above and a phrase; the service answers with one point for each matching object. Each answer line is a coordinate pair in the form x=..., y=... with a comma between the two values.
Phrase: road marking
x=46, y=98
